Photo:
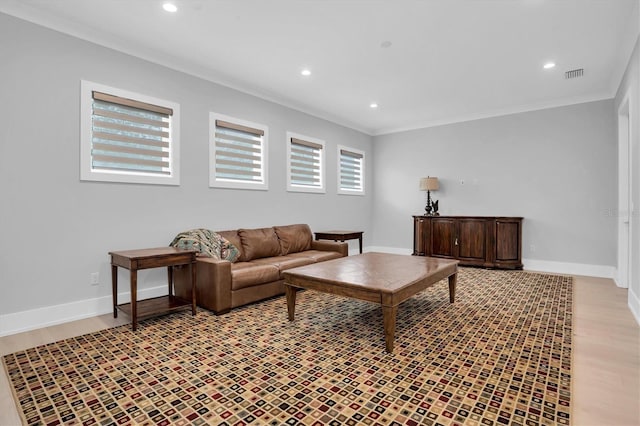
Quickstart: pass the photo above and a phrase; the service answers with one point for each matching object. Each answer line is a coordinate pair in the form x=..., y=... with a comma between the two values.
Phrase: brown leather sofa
x=257, y=274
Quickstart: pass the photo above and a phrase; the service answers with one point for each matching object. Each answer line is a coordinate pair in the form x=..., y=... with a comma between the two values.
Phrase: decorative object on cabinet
x=430, y=184
x=486, y=241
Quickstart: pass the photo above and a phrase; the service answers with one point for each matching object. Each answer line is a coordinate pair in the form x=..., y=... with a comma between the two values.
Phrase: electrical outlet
x=532, y=248
x=94, y=278
x=461, y=181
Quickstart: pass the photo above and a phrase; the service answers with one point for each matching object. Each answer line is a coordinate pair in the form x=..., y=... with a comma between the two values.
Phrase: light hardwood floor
x=606, y=373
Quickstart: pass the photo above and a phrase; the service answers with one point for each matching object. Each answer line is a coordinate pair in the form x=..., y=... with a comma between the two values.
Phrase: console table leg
x=193, y=288
x=170, y=279
x=114, y=289
x=452, y=287
x=389, y=318
x=134, y=298
x=291, y=301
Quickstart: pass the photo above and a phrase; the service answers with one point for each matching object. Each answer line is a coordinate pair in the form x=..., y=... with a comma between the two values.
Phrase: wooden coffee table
x=387, y=279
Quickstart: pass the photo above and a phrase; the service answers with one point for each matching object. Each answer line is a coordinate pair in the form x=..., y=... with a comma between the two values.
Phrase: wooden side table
x=134, y=260
x=341, y=236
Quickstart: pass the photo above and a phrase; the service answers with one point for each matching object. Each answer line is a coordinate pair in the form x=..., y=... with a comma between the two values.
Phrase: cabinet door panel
x=472, y=239
x=507, y=241
x=443, y=233
x=419, y=237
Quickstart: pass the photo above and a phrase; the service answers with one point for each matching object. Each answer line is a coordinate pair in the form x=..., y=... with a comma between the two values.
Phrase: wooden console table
x=134, y=260
x=486, y=241
x=341, y=236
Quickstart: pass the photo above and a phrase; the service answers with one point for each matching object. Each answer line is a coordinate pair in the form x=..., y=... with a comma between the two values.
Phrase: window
x=237, y=154
x=350, y=171
x=305, y=164
x=127, y=137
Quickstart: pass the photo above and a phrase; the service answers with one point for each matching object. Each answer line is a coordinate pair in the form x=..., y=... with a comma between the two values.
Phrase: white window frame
x=88, y=173
x=344, y=191
x=215, y=182
x=303, y=188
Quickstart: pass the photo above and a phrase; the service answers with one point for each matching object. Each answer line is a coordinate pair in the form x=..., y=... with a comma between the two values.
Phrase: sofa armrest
x=340, y=247
x=213, y=284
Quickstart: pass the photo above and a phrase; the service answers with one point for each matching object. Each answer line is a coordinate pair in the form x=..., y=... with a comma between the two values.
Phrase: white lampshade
x=429, y=184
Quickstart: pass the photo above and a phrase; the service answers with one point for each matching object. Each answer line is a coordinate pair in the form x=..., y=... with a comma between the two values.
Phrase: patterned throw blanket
x=207, y=243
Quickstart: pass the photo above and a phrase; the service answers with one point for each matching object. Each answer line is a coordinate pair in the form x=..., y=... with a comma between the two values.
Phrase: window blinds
x=351, y=171
x=239, y=152
x=305, y=163
x=130, y=136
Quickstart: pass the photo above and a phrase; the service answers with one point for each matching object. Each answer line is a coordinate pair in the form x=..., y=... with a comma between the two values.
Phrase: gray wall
x=555, y=167
x=56, y=230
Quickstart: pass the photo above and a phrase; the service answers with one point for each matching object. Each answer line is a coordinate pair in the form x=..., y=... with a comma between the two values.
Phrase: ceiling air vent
x=574, y=73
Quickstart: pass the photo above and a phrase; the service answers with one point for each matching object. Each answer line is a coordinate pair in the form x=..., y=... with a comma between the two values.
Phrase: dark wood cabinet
x=490, y=242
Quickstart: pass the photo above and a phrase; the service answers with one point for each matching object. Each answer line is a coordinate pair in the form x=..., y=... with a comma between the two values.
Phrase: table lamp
x=430, y=184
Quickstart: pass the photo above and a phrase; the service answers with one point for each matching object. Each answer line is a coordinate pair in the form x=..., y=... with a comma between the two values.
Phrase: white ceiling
x=449, y=60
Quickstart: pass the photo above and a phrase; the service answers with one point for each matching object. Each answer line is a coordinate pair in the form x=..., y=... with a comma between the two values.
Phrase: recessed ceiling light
x=170, y=7
x=305, y=72
x=373, y=105
x=549, y=65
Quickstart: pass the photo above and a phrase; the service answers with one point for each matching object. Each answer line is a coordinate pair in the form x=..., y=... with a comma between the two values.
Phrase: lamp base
x=431, y=209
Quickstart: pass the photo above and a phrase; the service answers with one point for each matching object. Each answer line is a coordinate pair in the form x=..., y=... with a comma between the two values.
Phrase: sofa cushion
x=317, y=255
x=283, y=262
x=245, y=274
x=258, y=243
x=293, y=238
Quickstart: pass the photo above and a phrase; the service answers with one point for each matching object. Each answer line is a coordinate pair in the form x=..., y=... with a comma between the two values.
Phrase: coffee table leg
x=452, y=287
x=291, y=301
x=389, y=318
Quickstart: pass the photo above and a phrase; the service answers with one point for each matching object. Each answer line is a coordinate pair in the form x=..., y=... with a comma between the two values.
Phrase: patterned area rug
x=501, y=354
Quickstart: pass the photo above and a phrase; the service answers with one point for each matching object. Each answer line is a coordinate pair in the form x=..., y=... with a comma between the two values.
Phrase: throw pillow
x=227, y=250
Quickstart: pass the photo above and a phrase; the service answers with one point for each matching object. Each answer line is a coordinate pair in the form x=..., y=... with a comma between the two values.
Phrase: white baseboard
x=634, y=305
x=603, y=271
x=52, y=315
x=616, y=280
x=392, y=250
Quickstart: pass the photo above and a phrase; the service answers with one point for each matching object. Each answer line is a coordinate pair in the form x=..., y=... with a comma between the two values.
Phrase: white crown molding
x=499, y=113
x=27, y=13
x=626, y=51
